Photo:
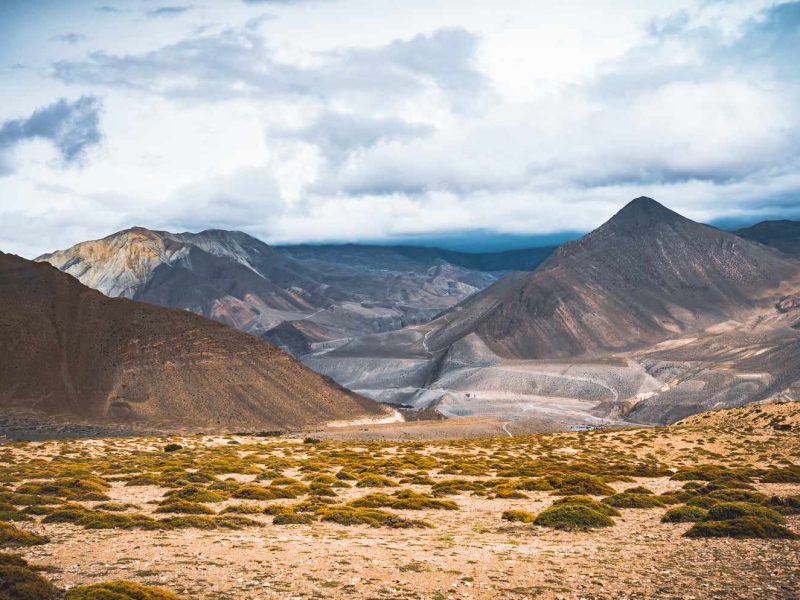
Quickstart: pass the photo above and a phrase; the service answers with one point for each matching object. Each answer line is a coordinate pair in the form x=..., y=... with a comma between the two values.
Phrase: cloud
x=337, y=134
x=237, y=64
x=69, y=38
x=72, y=127
x=168, y=11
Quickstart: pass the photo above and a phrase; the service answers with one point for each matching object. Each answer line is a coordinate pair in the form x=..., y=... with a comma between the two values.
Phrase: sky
x=376, y=120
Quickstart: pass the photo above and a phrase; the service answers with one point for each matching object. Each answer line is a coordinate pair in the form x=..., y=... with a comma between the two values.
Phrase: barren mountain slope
x=69, y=350
x=645, y=275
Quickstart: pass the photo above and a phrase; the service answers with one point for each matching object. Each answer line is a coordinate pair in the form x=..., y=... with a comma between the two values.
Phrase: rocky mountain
x=783, y=235
x=650, y=317
x=643, y=276
x=71, y=351
x=324, y=292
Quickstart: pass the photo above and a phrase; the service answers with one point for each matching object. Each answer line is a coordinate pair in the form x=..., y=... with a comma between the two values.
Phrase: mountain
x=783, y=235
x=651, y=317
x=643, y=276
x=325, y=292
x=71, y=351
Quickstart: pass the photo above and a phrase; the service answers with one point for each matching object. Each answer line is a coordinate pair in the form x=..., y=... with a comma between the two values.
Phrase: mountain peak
x=643, y=212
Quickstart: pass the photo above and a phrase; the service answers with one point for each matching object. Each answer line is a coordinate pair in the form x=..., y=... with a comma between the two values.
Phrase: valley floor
x=466, y=552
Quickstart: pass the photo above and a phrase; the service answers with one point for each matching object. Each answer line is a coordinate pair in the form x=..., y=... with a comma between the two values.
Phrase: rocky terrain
x=706, y=508
x=70, y=351
x=321, y=293
x=650, y=318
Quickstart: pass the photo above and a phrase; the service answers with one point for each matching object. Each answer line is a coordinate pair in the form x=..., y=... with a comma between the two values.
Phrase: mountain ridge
x=73, y=351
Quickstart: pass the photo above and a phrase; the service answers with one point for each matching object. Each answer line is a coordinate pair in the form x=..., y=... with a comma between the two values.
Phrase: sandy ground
x=468, y=553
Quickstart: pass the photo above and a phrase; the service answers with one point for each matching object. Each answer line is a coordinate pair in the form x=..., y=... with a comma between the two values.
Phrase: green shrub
x=454, y=486
x=19, y=582
x=580, y=484
x=11, y=536
x=743, y=527
x=790, y=474
x=198, y=494
x=572, y=517
x=518, y=516
x=629, y=500
x=290, y=518
x=119, y=590
x=403, y=500
x=588, y=502
x=684, y=514
x=172, y=447
x=243, y=509
x=786, y=506
x=733, y=510
x=348, y=515
x=375, y=481
x=176, y=505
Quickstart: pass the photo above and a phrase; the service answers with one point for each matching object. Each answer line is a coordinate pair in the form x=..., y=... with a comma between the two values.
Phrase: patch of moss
x=19, y=582
x=403, y=500
x=632, y=500
x=790, y=474
x=684, y=514
x=348, y=515
x=373, y=480
x=580, y=484
x=572, y=517
x=176, y=505
x=290, y=518
x=733, y=510
x=119, y=590
x=10, y=536
x=518, y=516
x=743, y=527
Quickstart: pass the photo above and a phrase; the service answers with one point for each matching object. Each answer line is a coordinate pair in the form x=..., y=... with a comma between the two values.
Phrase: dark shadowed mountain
x=324, y=292
x=783, y=235
x=70, y=351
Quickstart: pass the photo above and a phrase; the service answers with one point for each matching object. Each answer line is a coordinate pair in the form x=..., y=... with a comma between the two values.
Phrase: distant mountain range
x=69, y=351
x=321, y=292
x=783, y=235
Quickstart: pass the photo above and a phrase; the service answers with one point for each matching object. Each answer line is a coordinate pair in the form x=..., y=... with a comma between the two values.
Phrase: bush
x=743, y=527
x=198, y=494
x=172, y=447
x=573, y=516
x=11, y=536
x=684, y=514
x=454, y=486
x=629, y=500
x=786, y=506
x=119, y=590
x=375, y=481
x=20, y=582
x=518, y=516
x=580, y=484
x=176, y=505
x=588, y=502
x=290, y=518
x=789, y=474
x=403, y=500
x=733, y=510
x=348, y=515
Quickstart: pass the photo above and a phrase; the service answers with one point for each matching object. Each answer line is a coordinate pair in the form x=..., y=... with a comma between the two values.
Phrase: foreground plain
x=248, y=517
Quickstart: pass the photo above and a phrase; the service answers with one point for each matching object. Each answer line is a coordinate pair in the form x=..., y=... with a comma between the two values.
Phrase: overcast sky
x=310, y=120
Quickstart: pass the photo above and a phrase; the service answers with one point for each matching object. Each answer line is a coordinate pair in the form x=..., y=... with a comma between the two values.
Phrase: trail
x=505, y=428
